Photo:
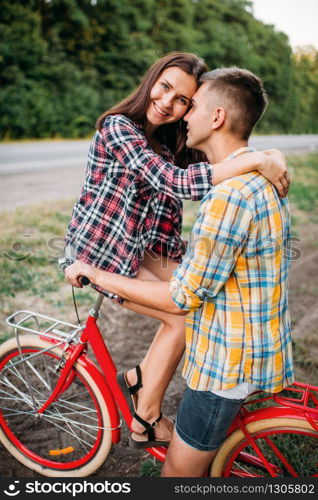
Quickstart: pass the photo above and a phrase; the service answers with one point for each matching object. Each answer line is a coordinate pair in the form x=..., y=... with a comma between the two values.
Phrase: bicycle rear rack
x=44, y=326
x=301, y=397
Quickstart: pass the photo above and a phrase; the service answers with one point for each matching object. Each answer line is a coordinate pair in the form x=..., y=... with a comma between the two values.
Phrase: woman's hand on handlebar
x=274, y=168
x=77, y=271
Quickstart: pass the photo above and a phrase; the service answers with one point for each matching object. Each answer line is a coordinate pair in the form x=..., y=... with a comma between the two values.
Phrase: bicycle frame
x=106, y=380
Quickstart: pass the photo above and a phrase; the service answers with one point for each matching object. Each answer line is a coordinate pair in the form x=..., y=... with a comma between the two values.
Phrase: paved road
x=46, y=170
x=18, y=158
x=287, y=143
x=32, y=172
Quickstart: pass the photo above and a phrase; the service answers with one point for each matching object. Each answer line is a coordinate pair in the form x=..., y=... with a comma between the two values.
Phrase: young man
x=232, y=282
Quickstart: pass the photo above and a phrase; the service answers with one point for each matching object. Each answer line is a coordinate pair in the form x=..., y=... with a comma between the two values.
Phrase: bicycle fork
x=64, y=380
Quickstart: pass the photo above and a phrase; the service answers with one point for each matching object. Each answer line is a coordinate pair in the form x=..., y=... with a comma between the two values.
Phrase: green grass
x=304, y=186
x=31, y=241
x=4, y=337
x=150, y=468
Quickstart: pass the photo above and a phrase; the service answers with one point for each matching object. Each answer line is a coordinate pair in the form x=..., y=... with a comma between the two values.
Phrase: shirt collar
x=239, y=151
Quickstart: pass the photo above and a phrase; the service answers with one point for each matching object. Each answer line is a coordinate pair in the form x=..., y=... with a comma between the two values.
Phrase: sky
x=298, y=19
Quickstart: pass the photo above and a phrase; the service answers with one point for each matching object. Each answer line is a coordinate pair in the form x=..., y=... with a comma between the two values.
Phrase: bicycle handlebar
x=84, y=280
x=64, y=262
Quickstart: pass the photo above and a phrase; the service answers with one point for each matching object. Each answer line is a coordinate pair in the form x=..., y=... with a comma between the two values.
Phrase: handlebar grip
x=84, y=280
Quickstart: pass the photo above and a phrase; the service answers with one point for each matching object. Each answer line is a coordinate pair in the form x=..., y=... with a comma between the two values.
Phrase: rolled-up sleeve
x=128, y=144
x=217, y=240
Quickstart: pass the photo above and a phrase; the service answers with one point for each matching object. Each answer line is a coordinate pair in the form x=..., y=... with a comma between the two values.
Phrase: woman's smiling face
x=170, y=97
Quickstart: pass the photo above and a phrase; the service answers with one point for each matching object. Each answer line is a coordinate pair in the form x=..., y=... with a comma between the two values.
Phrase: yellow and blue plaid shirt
x=234, y=283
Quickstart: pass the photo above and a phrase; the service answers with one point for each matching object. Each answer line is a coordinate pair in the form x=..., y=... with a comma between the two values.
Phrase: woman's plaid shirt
x=234, y=282
x=131, y=200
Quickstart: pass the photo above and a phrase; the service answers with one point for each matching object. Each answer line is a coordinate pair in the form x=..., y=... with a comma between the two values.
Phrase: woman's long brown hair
x=135, y=105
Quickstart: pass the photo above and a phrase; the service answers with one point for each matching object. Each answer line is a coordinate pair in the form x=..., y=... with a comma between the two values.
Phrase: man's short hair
x=243, y=92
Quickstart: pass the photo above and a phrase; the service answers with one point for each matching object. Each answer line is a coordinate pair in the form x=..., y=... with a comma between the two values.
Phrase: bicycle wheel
x=73, y=437
x=289, y=444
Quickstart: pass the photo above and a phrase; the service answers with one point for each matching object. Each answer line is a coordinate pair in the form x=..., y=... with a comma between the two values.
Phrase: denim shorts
x=204, y=419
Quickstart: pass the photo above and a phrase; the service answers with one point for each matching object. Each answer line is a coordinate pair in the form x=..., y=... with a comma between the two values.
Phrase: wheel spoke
x=38, y=375
x=20, y=377
x=47, y=418
x=76, y=424
x=70, y=428
x=17, y=412
x=25, y=398
x=75, y=412
x=81, y=443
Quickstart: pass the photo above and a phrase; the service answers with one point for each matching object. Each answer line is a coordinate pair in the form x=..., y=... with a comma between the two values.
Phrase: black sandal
x=150, y=432
x=129, y=391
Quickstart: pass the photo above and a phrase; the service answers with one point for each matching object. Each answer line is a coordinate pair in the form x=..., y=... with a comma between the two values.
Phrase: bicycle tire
x=73, y=437
x=300, y=449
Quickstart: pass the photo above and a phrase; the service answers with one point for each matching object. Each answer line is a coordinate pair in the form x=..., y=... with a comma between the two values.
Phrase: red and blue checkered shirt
x=131, y=200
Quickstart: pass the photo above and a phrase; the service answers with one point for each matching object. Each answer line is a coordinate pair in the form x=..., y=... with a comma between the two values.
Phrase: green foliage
x=150, y=468
x=305, y=86
x=63, y=62
x=304, y=186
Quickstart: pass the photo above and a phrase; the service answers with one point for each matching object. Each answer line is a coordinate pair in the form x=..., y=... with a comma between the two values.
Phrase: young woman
x=129, y=213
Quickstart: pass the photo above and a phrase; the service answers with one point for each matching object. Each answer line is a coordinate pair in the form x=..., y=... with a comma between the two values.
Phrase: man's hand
x=274, y=168
x=78, y=269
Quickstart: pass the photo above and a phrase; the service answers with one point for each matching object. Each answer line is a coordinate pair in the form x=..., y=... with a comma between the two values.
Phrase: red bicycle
x=59, y=411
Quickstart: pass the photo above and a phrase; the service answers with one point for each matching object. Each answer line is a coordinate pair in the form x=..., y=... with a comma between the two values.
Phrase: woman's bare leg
x=163, y=355
x=157, y=369
x=162, y=268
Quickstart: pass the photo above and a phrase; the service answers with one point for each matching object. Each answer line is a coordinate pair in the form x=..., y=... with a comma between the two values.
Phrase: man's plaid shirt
x=131, y=200
x=234, y=282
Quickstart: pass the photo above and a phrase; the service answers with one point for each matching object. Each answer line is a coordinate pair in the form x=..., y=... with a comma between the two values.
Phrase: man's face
x=199, y=118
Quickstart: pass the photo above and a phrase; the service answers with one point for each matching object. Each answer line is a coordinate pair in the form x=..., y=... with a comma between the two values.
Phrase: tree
x=304, y=114
x=63, y=62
